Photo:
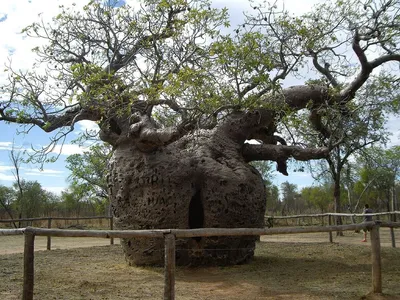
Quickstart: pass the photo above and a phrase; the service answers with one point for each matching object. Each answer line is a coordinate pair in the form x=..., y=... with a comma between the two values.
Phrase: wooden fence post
x=169, y=267
x=29, y=247
x=49, y=237
x=376, y=260
x=330, y=232
x=393, y=218
x=111, y=228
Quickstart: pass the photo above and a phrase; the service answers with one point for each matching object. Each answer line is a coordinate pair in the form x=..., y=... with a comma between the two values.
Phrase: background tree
x=177, y=100
x=274, y=204
x=271, y=190
x=74, y=204
x=31, y=199
x=16, y=160
x=318, y=197
x=354, y=131
x=290, y=198
x=88, y=175
x=379, y=174
x=6, y=198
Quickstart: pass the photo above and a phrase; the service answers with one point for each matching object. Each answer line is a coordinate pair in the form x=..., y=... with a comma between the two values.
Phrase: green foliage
x=88, y=175
x=378, y=173
x=32, y=201
x=272, y=191
x=265, y=168
x=319, y=197
x=6, y=197
x=291, y=199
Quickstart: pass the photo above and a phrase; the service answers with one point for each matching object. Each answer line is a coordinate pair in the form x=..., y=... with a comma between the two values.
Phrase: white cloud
x=5, y=168
x=66, y=149
x=19, y=15
x=54, y=189
x=5, y=177
x=45, y=172
x=9, y=146
x=5, y=173
x=87, y=125
x=6, y=145
x=69, y=149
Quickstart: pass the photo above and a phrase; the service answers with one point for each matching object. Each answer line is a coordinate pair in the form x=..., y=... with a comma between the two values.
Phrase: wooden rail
x=49, y=222
x=392, y=214
x=53, y=218
x=12, y=231
x=335, y=214
x=170, y=236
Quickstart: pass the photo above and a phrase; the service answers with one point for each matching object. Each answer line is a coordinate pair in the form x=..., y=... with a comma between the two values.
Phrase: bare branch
x=280, y=154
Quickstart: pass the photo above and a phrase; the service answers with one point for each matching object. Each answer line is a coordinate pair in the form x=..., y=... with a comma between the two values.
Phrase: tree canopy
x=158, y=71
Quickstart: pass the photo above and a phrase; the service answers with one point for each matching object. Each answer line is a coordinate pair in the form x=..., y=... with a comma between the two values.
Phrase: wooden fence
x=269, y=220
x=49, y=223
x=170, y=236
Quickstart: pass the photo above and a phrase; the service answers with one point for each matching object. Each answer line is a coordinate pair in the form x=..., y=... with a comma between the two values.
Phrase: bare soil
x=15, y=244
x=304, y=266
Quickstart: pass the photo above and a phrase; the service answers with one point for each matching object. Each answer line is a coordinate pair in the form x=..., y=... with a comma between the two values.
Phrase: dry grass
x=282, y=269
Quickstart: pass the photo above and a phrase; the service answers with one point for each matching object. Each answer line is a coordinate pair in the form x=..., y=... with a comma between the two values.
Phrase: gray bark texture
x=186, y=177
x=198, y=181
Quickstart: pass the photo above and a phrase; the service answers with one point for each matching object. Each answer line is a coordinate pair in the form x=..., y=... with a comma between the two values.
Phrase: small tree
x=6, y=198
x=272, y=191
x=31, y=200
x=88, y=175
x=380, y=172
x=290, y=197
x=318, y=197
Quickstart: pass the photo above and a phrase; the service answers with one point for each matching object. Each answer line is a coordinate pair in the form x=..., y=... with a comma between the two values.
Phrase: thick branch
x=277, y=153
x=69, y=118
x=149, y=137
x=240, y=125
x=366, y=68
x=297, y=97
x=323, y=69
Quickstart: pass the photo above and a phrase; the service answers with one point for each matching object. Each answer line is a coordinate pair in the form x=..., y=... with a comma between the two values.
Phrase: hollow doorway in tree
x=196, y=212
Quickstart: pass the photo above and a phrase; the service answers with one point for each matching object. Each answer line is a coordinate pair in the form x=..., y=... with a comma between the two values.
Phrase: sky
x=15, y=15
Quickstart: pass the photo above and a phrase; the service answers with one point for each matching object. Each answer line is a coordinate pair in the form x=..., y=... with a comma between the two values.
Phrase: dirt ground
x=304, y=266
x=15, y=244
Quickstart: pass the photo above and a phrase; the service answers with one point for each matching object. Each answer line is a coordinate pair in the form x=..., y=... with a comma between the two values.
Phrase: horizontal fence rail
x=50, y=219
x=170, y=236
x=12, y=231
x=53, y=218
x=200, y=232
x=334, y=214
x=269, y=220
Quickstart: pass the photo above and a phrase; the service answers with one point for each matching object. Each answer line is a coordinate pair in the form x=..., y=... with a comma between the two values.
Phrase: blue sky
x=16, y=14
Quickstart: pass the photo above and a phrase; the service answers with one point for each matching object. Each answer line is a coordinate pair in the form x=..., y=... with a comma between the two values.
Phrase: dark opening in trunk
x=196, y=212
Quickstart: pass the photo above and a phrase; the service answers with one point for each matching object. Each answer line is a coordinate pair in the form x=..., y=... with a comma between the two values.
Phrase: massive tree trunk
x=199, y=181
x=186, y=178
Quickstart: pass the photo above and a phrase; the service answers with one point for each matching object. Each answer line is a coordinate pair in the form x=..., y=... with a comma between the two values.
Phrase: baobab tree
x=178, y=101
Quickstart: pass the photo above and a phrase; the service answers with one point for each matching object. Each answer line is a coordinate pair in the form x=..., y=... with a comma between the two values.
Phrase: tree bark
x=198, y=181
x=336, y=195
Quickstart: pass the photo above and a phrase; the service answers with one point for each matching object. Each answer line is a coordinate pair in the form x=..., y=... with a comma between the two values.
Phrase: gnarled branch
x=281, y=153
